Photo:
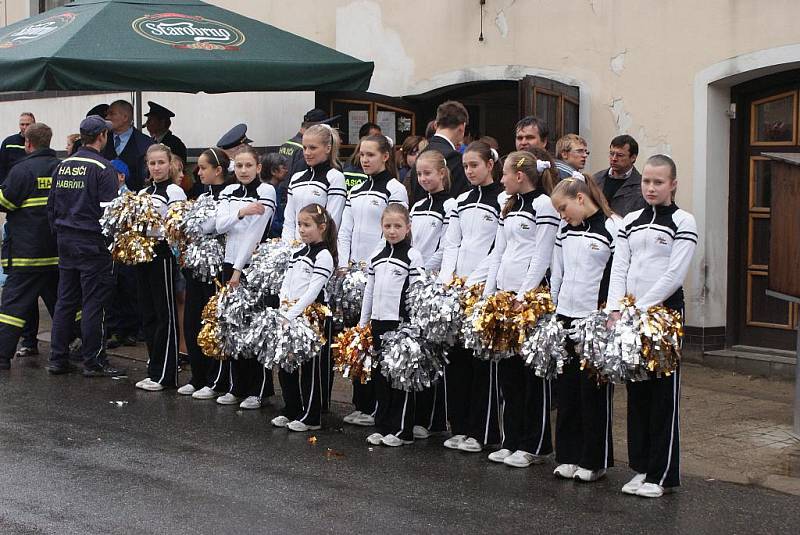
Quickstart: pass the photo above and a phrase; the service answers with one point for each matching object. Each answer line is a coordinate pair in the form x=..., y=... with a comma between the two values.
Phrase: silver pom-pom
x=408, y=361
x=436, y=309
x=544, y=348
x=346, y=293
x=591, y=336
x=623, y=359
x=268, y=267
x=235, y=313
x=204, y=253
x=296, y=343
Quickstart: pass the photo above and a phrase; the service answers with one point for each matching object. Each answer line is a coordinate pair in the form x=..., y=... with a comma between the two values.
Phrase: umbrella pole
x=137, y=105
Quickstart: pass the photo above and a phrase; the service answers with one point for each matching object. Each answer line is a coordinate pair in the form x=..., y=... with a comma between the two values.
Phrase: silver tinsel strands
x=204, y=252
x=346, y=294
x=544, y=348
x=268, y=267
x=435, y=308
x=135, y=226
x=623, y=356
x=296, y=342
x=235, y=313
x=408, y=361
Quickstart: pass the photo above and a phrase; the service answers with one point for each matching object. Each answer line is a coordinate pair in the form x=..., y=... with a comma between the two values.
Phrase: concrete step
x=748, y=360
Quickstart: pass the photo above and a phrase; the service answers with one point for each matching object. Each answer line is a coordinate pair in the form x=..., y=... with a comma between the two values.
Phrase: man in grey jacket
x=621, y=182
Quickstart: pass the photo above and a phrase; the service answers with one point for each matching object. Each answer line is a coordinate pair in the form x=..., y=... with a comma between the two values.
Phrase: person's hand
x=253, y=208
x=342, y=271
x=613, y=318
x=234, y=282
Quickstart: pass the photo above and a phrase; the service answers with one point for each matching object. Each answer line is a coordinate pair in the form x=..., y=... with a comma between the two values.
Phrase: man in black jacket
x=13, y=147
x=621, y=182
x=451, y=121
x=29, y=249
x=159, y=119
x=127, y=143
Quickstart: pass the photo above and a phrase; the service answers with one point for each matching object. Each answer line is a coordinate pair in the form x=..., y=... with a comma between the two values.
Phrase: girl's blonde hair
x=526, y=163
x=330, y=138
x=570, y=187
x=399, y=209
x=436, y=158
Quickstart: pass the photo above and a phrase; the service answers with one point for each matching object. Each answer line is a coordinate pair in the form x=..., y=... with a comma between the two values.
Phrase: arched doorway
x=767, y=117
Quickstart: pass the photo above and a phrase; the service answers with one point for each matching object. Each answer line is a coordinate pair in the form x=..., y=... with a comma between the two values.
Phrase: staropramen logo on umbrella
x=36, y=30
x=187, y=31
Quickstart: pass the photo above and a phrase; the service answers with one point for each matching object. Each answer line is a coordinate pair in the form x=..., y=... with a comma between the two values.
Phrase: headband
x=216, y=157
x=319, y=209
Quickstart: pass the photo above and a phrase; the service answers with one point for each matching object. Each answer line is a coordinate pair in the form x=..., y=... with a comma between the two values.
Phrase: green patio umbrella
x=166, y=45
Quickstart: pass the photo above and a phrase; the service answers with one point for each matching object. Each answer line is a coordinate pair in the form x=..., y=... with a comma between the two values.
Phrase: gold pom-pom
x=316, y=314
x=352, y=353
x=209, y=339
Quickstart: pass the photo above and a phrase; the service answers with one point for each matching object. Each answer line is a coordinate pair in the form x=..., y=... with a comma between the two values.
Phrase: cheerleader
x=520, y=259
x=322, y=183
x=471, y=384
x=360, y=234
x=155, y=282
x=310, y=269
x=392, y=269
x=579, y=284
x=244, y=212
x=653, y=251
x=209, y=376
x=429, y=220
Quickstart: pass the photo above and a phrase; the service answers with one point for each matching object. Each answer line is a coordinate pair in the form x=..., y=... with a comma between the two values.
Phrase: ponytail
x=320, y=216
x=583, y=183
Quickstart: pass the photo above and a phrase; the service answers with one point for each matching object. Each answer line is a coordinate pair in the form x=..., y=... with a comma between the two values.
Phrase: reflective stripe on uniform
x=296, y=144
x=15, y=147
x=78, y=315
x=87, y=160
x=8, y=205
x=11, y=320
x=30, y=262
x=34, y=201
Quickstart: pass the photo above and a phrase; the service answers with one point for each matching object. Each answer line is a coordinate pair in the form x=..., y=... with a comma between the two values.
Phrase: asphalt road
x=74, y=461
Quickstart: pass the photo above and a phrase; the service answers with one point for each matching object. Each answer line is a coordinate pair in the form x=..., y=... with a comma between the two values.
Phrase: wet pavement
x=86, y=456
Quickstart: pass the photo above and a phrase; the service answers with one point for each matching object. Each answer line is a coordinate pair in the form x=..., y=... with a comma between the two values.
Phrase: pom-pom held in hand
x=209, y=339
x=204, y=253
x=436, y=309
x=268, y=267
x=544, y=349
x=591, y=337
x=134, y=224
x=174, y=224
x=346, y=295
x=408, y=360
x=235, y=313
x=274, y=340
x=352, y=353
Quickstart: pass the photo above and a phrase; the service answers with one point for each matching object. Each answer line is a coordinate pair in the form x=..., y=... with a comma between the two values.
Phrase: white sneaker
x=567, y=471
x=300, y=427
x=352, y=417
x=500, y=455
x=454, y=442
x=252, y=402
x=519, y=459
x=375, y=439
x=152, y=386
x=228, y=399
x=365, y=420
x=651, y=490
x=280, y=421
x=420, y=432
x=632, y=486
x=187, y=390
x=206, y=393
x=393, y=441
x=589, y=475
x=143, y=381
x=470, y=445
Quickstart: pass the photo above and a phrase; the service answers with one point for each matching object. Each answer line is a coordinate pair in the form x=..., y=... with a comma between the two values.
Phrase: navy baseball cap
x=234, y=137
x=94, y=124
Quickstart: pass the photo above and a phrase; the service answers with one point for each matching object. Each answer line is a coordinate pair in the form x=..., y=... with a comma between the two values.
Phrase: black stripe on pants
x=654, y=429
x=458, y=386
x=484, y=407
x=21, y=294
x=159, y=318
x=197, y=295
x=526, y=408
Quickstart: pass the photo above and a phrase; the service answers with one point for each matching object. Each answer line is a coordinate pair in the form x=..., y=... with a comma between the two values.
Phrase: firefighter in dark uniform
x=13, y=148
x=159, y=119
x=29, y=248
x=83, y=185
x=293, y=148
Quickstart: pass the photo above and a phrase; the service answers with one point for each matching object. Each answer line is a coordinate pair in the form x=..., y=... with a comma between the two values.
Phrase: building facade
x=714, y=84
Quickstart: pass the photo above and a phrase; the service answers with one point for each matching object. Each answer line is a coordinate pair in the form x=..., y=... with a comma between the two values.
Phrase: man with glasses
x=621, y=182
x=572, y=151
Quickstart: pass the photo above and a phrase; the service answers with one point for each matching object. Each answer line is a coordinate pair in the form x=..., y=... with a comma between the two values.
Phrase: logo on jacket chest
x=661, y=240
x=524, y=226
x=488, y=218
x=396, y=272
x=593, y=246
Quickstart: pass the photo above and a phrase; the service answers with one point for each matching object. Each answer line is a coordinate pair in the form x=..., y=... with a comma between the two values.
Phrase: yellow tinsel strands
x=173, y=226
x=132, y=220
x=316, y=313
x=662, y=329
x=351, y=353
x=470, y=296
x=209, y=338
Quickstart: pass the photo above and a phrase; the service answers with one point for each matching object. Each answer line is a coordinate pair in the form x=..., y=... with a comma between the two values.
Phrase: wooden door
x=557, y=104
x=767, y=121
